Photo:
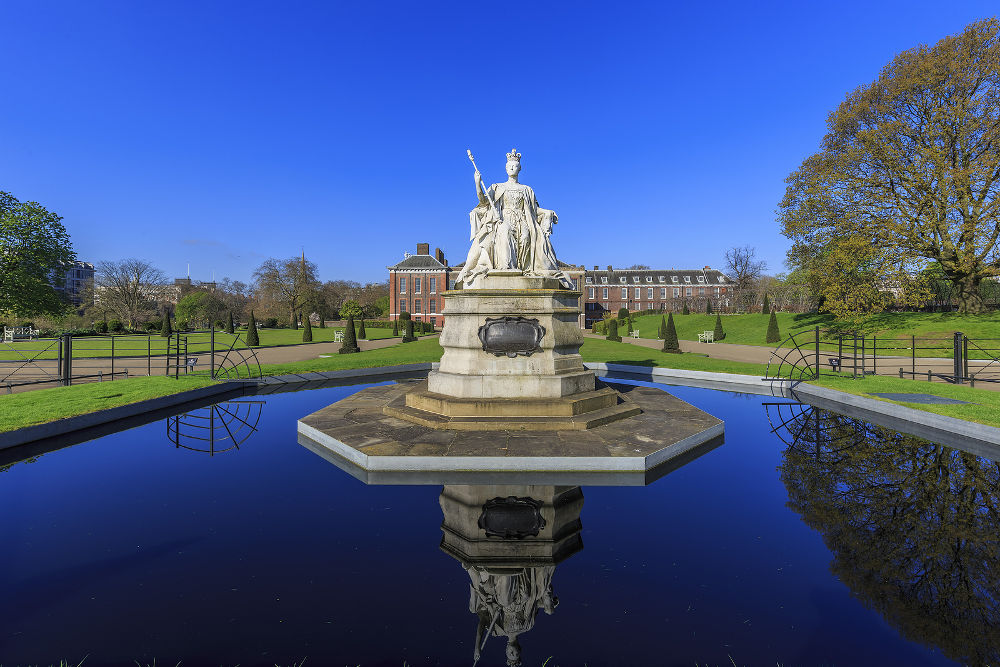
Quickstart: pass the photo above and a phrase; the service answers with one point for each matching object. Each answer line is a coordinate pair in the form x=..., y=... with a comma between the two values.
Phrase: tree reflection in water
x=912, y=525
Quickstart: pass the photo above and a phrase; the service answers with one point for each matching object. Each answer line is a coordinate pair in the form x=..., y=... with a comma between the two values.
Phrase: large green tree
x=34, y=247
x=290, y=285
x=909, y=170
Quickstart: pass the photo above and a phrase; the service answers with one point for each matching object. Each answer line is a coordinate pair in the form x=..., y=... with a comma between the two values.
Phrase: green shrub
x=395, y=328
x=307, y=331
x=708, y=307
x=361, y=330
x=404, y=316
x=253, y=339
x=661, y=331
x=116, y=326
x=165, y=329
x=230, y=325
x=408, y=337
x=613, y=331
x=766, y=306
x=350, y=344
x=153, y=326
x=101, y=327
x=718, y=333
x=670, y=343
x=271, y=323
x=773, y=335
x=623, y=314
x=686, y=310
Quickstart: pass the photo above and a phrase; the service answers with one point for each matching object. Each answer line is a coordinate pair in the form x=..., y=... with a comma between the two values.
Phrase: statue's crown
x=513, y=156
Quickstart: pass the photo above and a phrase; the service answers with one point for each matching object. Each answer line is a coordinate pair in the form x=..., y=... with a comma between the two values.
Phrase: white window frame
x=638, y=294
x=591, y=293
x=433, y=284
x=663, y=292
x=624, y=293
x=649, y=292
x=402, y=284
x=416, y=284
x=605, y=294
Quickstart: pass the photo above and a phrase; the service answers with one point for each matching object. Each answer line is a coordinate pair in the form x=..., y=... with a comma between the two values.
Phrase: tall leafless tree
x=130, y=288
x=745, y=269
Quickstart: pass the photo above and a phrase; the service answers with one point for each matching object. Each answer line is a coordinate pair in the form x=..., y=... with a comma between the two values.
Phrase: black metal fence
x=71, y=359
x=957, y=359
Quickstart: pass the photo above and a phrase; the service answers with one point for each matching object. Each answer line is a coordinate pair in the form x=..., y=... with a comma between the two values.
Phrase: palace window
x=687, y=291
x=638, y=292
x=604, y=293
x=701, y=279
x=663, y=279
x=434, y=285
x=649, y=306
x=677, y=292
x=624, y=292
x=687, y=279
x=402, y=284
x=716, y=291
x=416, y=306
x=416, y=284
x=589, y=280
x=451, y=283
x=635, y=279
x=604, y=279
x=649, y=292
x=701, y=290
x=591, y=293
x=673, y=278
x=433, y=305
x=663, y=292
x=402, y=305
x=649, y=279
x=621, y=279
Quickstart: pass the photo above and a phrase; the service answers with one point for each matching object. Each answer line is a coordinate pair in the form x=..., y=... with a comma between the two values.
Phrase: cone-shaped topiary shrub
x=773, y=335
x=670, y=343
x=613, y=330
x=350, y=343
x=230, y=325
x=708, y=307
x=395, y=328
x=408, y=336
x=766, y=306
x=686, y=311
x=165, y=330
x=252, y=339
x=307, y=331
x=661, y=330
x=361, y=330
x=718, y=333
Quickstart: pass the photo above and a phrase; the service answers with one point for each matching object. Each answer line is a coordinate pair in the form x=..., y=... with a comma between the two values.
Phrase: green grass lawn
x=983, y=407
x=198, y=341
x=45, y=405
x=893, y=330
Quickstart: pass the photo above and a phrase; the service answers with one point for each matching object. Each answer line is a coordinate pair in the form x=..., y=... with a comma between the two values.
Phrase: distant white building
x=75, y=281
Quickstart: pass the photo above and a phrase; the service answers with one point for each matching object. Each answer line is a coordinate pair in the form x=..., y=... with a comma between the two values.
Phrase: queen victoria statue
x=510, y=231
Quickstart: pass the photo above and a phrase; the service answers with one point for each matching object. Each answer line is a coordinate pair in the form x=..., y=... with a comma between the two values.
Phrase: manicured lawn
x=426, y=350
x=893, y=330
x=198, y=341
x=983, y=407
x=621, y=353
x=45, y=405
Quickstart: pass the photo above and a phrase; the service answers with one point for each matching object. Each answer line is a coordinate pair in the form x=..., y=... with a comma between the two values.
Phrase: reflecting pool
x=213, y=537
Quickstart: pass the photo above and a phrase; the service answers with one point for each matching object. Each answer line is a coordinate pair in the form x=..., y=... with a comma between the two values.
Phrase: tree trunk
x=970, y=299
x=293, y=322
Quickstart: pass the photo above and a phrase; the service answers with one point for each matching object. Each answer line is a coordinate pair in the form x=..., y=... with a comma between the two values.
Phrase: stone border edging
x=66, y=425
x=977, y=439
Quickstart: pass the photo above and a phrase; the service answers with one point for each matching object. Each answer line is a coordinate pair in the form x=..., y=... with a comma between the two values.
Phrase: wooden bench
x=706, y=337
x=11, y=334
x=634, y=334
x=338, y=336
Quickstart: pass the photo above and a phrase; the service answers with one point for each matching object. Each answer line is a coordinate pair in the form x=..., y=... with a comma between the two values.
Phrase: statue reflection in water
x=509, y=539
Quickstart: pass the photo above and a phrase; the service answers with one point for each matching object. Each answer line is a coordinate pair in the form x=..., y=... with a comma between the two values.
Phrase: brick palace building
x=416, y=283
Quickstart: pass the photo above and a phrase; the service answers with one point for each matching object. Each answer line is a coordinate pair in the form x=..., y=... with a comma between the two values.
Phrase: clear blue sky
x=222, y=133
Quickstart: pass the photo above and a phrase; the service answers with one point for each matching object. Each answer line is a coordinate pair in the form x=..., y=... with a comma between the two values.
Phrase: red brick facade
x=653, y=290
x=416, y=283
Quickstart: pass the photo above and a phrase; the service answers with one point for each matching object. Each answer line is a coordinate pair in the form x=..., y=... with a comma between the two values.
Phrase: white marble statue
x=510, y=231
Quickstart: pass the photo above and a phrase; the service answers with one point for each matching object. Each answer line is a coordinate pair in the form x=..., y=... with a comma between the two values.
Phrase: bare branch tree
x=129, y=288
x=745, y=270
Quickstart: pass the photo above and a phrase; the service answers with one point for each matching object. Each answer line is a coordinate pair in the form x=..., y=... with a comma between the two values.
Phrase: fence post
x=149, y=356
x=913, y=356
x=957, y=356
x=817, y=353
x=67, y=359
x=112, y=358
x=59, y=363
x=965, y=357
x=874, y=357
x=211, y=358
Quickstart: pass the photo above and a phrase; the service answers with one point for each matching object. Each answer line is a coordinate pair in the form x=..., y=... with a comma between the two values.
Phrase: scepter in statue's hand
x=479, y=185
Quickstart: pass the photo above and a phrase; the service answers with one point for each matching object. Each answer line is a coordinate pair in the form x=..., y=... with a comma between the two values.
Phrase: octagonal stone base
x=357, y=433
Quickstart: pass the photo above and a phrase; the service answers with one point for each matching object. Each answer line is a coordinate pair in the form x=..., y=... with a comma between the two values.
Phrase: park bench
x=338, y=336
x=11, y=334
x=706, y=337
x=634, y=334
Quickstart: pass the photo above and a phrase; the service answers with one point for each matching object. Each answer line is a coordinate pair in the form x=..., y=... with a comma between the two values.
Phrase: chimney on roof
x=708, y=268
x=423, y=248
x=609, y=268
x=439, y=256
x=595, y=267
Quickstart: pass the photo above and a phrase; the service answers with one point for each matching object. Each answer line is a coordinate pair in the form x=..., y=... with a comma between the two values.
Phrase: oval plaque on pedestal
x=512, y=518
x=511, y=336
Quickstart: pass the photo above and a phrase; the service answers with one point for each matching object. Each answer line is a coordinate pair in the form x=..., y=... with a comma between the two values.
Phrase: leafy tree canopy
x=909, y=171
x=33, y=244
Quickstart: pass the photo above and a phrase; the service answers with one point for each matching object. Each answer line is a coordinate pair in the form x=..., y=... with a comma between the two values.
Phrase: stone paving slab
x=353, y=430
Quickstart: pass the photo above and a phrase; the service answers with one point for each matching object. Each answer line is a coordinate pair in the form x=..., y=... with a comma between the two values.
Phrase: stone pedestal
x=554, y=370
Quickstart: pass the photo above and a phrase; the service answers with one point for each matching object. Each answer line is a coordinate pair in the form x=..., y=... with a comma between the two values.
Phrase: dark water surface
x=836, y=543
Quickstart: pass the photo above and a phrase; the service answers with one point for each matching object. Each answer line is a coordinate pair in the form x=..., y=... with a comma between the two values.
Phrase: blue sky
x=223, y=133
